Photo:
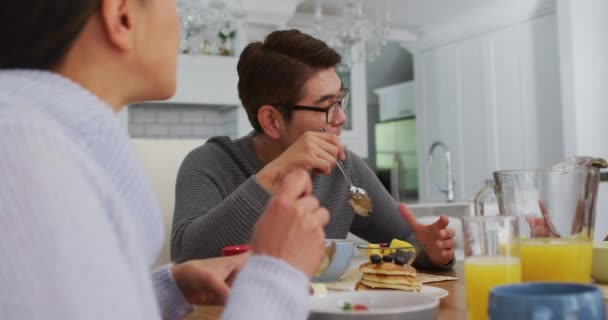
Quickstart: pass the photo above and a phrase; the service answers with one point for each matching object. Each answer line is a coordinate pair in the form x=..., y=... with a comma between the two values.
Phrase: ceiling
x=424, y=16
x=417, y=20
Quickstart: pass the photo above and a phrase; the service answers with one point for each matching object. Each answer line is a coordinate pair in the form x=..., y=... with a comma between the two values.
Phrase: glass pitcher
x=556, y=209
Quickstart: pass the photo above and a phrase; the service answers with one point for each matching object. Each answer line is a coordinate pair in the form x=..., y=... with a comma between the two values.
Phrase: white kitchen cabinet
x=207, y=80
x=494, y=100
x=210, y=80
x=396, y=101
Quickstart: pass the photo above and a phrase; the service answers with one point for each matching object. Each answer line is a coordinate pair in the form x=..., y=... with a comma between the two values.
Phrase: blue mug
x=546, y=301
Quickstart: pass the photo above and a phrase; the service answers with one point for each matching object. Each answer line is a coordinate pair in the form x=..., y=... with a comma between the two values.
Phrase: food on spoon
x=361, y=205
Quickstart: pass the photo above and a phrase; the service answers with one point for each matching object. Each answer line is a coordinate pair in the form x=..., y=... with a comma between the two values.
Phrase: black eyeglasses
x=331, y=112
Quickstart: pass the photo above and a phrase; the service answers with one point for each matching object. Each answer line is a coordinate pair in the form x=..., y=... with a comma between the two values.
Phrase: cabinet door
x=526, y=99
x=437, y=114
x=475, y=118
x=396, y=101
x=494, y=100
x=407, y=97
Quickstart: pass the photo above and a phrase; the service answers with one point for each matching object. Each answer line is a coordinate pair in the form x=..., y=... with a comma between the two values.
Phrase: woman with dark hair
x=79, y=226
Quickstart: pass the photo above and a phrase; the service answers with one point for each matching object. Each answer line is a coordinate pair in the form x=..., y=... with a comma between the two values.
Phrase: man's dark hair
x=274, y=72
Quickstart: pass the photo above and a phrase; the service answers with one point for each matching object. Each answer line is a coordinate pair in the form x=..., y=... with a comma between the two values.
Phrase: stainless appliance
x=396, y=162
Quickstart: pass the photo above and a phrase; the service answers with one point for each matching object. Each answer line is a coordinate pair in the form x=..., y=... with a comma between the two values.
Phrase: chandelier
x=209, y=27
x=356, y=35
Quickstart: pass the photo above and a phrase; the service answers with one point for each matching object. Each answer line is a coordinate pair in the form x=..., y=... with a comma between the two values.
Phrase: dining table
x=451, y=307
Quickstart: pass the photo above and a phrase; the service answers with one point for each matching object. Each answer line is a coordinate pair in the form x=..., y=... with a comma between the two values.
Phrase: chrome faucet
x=449, y=189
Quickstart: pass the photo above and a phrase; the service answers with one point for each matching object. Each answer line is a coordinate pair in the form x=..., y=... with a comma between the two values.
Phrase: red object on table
x=234, y=250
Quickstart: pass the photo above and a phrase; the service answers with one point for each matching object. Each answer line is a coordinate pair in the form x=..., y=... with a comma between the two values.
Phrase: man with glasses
x=296, y=104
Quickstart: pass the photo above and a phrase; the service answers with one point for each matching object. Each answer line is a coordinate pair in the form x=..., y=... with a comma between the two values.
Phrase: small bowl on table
x=408, y=252
x=340, y=261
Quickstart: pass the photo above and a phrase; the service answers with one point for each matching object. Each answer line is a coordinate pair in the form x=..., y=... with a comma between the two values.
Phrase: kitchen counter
x=434, y=204
x=454, y=209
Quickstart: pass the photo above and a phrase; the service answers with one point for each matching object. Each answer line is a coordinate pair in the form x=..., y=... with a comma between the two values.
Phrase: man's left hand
x=437, y=238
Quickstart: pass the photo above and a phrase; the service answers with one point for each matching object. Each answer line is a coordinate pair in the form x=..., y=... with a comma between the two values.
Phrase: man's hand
x=291, y=228
x=316, y=151
x=542, y=226
x=207, y=281
x=437, y=238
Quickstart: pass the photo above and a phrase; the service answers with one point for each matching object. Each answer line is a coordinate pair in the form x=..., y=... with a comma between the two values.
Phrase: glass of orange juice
x=556, y=259
x=491, y=246
x=556, y=210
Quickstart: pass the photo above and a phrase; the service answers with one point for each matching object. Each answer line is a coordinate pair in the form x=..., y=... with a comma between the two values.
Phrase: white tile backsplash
x=181, y=121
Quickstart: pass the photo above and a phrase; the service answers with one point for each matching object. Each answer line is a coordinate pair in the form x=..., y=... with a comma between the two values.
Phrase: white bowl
x=382, y=305
x=340, y=263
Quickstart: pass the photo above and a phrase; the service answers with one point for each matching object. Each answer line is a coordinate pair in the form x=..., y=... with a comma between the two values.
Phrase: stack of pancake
x=388, y=275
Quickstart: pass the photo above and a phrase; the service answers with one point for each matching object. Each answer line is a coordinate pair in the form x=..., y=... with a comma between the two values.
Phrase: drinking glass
x=556, y=208
x=491, y=246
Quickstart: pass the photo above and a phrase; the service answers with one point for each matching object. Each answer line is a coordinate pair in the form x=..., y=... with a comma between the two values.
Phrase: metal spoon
x=358, y=198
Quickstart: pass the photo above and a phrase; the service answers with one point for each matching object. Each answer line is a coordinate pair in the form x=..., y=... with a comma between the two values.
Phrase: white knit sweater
x=79, y=227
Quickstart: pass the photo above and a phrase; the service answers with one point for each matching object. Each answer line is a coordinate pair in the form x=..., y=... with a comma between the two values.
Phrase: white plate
x=434, y=292
x=383, y=305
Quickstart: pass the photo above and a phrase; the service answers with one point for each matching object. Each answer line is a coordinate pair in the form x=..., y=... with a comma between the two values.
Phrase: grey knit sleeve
x=386, y=222
x=208, y=217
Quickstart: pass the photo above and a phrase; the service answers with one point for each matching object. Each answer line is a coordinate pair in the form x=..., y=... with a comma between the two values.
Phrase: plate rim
x=443, y=293
x=385, y=311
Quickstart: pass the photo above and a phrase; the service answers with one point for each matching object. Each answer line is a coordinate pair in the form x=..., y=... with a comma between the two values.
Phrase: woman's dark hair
x=37, y=34
x=274, y=72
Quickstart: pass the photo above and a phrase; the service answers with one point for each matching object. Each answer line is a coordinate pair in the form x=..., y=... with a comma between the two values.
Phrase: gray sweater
x=218, y=201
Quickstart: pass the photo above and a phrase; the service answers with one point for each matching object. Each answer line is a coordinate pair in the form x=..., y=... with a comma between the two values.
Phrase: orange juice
x=482, y=273
x=556, y=259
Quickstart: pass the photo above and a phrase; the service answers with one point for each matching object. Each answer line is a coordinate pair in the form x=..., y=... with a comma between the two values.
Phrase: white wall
x=161, y=159
x=494, y=99
x=583, y=49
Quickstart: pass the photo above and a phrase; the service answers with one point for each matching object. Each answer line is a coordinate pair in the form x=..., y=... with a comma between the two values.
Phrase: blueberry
x=388, y=258
x=400, y=260
x=403, y=253
x=375, y=258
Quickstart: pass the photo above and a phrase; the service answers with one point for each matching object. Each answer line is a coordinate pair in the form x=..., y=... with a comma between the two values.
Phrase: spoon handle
x=338, y=163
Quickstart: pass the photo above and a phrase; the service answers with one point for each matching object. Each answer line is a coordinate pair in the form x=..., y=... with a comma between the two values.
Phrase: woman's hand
x=207, y=281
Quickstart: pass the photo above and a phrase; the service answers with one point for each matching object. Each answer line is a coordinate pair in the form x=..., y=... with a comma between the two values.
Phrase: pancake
x=387, y=269
x=380, y=278
x=359, y=286
x=402, y=287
